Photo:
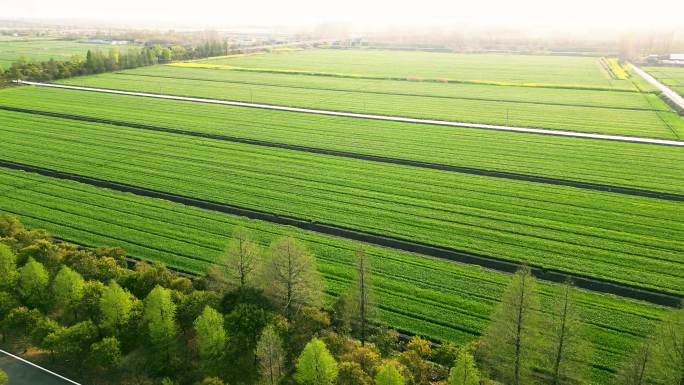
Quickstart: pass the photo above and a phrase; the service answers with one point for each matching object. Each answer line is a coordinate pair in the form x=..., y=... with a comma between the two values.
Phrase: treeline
x=113, y=60
x=257, y=317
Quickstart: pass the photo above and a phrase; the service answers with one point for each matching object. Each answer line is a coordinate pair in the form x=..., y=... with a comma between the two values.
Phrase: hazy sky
x=614, y=14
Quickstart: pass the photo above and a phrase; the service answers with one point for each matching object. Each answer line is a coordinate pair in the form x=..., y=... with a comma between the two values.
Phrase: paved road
x=23, y=372
x=632, y=139
x=667, y=91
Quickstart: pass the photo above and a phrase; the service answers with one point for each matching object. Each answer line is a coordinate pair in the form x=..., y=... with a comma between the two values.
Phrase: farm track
x=603, y=286
x=671, y=95
x=618, y=138
x=363, y=91
x=373, y=158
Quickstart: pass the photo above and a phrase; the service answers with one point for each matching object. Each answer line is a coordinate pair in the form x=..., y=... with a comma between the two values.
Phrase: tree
x=564, y=350
x=351, y=373
x=8, y=267
x=389, y=374
x=33, y=282
x=211, y=336
x=68, y=288
x=241, y=257
x=115, y=307
x=669, y=348
x=290, y=277
x=362, y=297
x=71, y=344
x=464, y=371
x=635, y=370
x=316, y=366
x=510, y=339
x=159, y=314
x=414, y=358
x=106, y=354
x=269, y=351
x=3, y=377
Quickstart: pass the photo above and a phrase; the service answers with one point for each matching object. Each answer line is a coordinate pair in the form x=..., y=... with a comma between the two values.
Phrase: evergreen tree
x=564, y=349
x=33, y=282
x=389, y=374
x=316, y=366
x=269, y=351
x=211, y=337
x=115, y=307
x=159, y=314
x=511, y=338
x=464, y=371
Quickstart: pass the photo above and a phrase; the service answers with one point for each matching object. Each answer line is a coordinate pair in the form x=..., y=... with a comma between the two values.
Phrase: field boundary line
x=38, y=367
x=574, y=134
x=668, y=92
x=654, y=296
x=372, y=158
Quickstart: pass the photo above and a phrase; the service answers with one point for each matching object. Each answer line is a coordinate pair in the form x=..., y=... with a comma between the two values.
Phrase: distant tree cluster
x=256, y=318
x=96, y=61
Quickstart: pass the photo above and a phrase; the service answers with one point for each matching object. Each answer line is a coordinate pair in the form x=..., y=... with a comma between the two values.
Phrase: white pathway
x=632, y=139
x=38, y=367
x=667, y=91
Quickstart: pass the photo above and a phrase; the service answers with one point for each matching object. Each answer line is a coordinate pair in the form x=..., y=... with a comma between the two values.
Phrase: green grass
x=544, y=69
x=45, y=49
x=608, y=236
x=651, y=167
x=441, y=300
x=622, y=113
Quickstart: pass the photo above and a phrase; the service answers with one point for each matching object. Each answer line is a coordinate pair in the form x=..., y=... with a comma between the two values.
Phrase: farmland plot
x=623, y=239
x=672, y=77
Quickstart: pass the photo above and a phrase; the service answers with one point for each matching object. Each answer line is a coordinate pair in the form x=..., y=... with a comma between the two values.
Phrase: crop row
x=622, y=164
x=562, y=117
x=483, y=67
x=441, y=300
x=608, y=236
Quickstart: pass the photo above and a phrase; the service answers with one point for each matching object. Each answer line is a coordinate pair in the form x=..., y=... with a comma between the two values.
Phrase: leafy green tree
x=512, y=336
x=115, y=307
x=351, y=373
x=669, y=349
x=316, y=366
x=211, y=381
x=269, y=351
x=33, y=282
x=106, y=354
x=68, y=288
x=8, y=267
x=71, y=344
x=211, y=337
x=414, y=358
x=18, y=325
x=464, y=371
x=159, y=314
x=362, y=297
x=563, y=347
x=389, y=374
x=3, y=377
x=290, y=277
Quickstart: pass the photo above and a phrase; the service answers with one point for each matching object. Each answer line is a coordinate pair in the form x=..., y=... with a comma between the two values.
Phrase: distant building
x=677, y=56
x=108, y=42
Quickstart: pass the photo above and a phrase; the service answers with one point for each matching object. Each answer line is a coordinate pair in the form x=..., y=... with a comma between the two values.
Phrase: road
x=667, y=91
x=23, y=372
x=619, y=138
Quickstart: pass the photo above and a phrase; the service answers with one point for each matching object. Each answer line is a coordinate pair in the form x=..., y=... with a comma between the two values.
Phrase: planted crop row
x=672, y=77
x=561, y=117
x=545, y=69
x=441, y=300
x=608, y=236
x=650, y=167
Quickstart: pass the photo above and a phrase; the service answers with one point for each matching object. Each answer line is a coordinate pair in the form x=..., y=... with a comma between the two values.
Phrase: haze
x=360, y=14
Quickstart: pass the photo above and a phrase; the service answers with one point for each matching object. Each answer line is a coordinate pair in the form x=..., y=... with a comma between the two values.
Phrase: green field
x=539, y=69
x=624, y=239
x=434, y=298
x=45, y=49
x=621, y=113
x=657, y=168
x=672, y=77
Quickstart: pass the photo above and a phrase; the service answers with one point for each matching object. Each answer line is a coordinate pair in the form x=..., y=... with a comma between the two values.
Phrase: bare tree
x=509, y=340
x=565, y=351
x=362, y=296
x=634, y=372
x=269, y=351
x=669, y=348
x=290, y=278
x=242, y=256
